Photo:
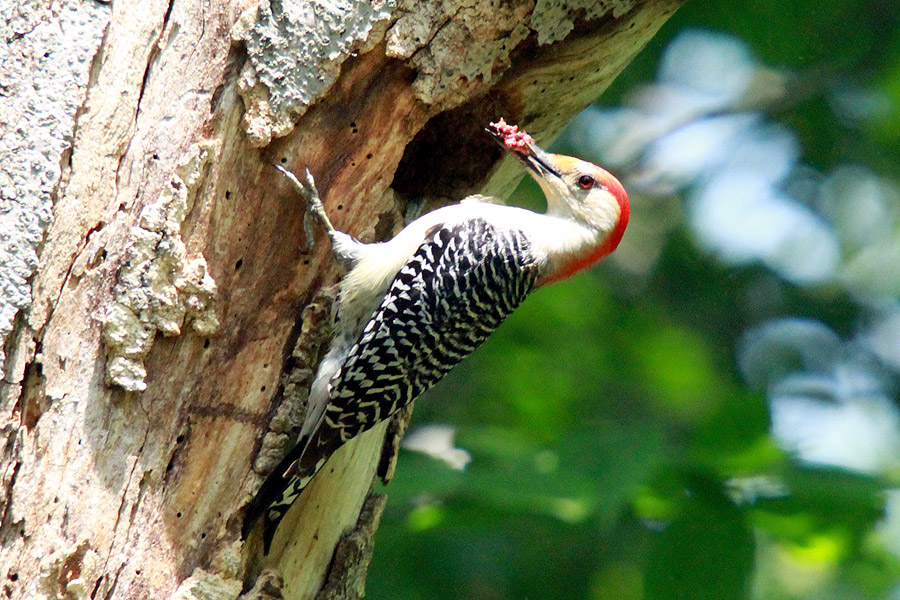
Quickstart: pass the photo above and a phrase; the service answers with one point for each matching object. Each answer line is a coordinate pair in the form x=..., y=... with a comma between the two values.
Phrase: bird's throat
x=581, y=261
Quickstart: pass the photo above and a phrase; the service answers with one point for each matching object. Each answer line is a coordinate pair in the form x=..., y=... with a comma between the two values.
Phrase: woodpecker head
x=574, y=188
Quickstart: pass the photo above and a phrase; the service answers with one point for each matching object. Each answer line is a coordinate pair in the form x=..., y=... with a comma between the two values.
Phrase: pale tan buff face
x=584, y=191
x=575, y=189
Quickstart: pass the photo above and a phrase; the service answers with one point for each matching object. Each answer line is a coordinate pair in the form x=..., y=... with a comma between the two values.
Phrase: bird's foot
x=314, y=206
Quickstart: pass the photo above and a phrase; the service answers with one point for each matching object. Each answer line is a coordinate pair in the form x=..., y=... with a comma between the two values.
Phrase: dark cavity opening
x=452, y=155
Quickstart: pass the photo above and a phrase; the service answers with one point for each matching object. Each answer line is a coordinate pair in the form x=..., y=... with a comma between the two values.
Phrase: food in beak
x=522, y=145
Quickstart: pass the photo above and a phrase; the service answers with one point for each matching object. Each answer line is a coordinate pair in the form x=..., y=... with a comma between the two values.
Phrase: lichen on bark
x=37, y=117
x=159, y=288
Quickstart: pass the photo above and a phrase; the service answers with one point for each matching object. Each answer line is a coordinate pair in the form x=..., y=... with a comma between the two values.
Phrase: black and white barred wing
x=450, y=296
x=457, y=288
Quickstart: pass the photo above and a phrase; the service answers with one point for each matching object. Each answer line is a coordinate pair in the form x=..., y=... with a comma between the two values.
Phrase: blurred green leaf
x=707, y=552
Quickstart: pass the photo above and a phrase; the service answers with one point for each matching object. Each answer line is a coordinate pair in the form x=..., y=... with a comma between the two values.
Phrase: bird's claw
x=314, y=206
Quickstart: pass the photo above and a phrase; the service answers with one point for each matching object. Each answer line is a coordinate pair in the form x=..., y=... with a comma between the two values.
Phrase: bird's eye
x=586, y=182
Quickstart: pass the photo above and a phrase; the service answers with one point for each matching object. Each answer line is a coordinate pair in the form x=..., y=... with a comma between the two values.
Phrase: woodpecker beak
x=537, y=161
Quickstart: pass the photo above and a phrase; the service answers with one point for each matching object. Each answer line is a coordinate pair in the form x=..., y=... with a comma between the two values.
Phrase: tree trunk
x=160, y=320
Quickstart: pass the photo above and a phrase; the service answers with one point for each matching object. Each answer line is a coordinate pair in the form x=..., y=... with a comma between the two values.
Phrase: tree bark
x=160, y=320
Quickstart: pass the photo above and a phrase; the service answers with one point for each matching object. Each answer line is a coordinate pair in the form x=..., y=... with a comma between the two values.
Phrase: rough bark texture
x=159, y=320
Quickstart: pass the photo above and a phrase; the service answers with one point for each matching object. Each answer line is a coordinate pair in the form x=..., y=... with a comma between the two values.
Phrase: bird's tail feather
x=283, y=486
x=270, y=491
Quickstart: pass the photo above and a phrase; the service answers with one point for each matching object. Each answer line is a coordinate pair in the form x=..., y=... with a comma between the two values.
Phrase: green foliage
x=706, y=552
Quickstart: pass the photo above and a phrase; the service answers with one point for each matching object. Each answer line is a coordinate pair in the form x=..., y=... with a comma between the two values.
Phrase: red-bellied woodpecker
x=410, y=309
